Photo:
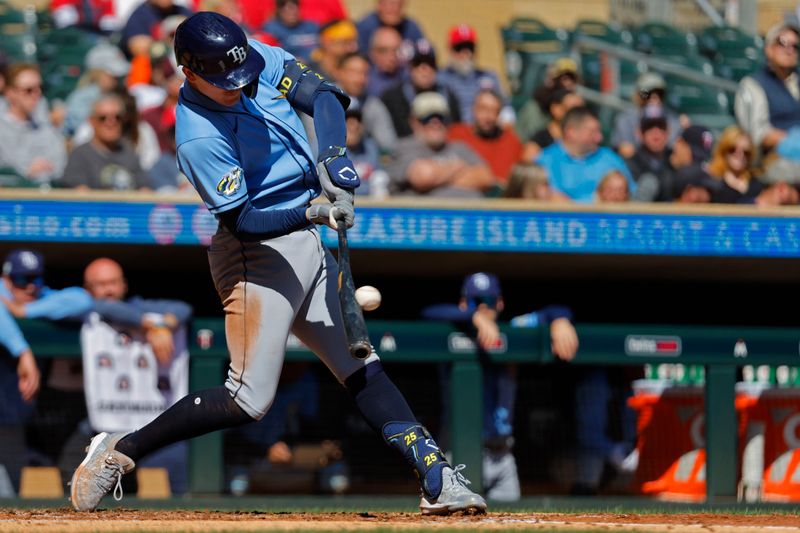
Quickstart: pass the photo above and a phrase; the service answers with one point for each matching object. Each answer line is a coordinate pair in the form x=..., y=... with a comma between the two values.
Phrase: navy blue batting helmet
x=216, y=48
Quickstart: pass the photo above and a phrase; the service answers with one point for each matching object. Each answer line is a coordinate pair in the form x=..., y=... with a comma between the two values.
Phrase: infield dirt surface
x=119, y=520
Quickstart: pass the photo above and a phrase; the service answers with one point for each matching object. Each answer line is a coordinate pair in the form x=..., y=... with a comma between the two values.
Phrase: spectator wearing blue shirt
x=480, y=305
x=142, y=28
x=578, y=163
x=296, y=36
x=390, y=14
x=24, y=295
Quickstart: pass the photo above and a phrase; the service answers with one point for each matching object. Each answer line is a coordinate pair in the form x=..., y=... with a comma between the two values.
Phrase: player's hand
x=279, y=453
x=28, y=373
x=563, y=339
x=330, y=215
x=337, y=173
x=343, y=208
x=485, y=321
x=15, y=308
x=160, y=340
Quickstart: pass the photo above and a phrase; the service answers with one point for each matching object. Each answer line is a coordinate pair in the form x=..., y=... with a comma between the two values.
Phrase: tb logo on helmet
x=238, y=53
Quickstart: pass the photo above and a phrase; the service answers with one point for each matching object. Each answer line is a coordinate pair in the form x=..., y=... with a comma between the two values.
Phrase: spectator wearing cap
x=141, y=28
x=422, y=77
x=427, y=164
x=106, y=68
x=390, y=14
x=532, y=117
x=352, y=75
x=384, y=55
x=108, y=160
x=465, y=79
x=767, y=103
x=336, y=39
x=33, y=148
x=498, y=145
x=297, y=36
x=650, y=90
x=479, y=308
x=23, y=294
x=649, y=165
x=732, y=166
x=689, y=160
x=577, y=163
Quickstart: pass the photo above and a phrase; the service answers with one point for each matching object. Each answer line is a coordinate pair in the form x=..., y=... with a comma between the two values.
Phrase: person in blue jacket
x=480, y=305
x=24, y=295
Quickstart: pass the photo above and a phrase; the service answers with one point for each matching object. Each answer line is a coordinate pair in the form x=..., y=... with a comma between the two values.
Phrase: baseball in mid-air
x=368, y=297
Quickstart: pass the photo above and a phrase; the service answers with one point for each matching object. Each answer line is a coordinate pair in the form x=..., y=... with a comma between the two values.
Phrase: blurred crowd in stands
x=422, y=122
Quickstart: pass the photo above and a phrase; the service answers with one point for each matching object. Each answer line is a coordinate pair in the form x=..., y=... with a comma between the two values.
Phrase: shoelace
x=458, y=477
x=112, y=469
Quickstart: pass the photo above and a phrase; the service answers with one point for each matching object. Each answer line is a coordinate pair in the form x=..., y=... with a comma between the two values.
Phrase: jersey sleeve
x=10, y=335
x=274, y=57
x=72, y=302
x=214, y=170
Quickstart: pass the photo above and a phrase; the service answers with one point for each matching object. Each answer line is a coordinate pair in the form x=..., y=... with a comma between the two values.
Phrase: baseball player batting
x=243, y=147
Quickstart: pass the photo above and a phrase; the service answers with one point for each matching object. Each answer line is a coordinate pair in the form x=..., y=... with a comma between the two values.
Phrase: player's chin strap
x=420, y=451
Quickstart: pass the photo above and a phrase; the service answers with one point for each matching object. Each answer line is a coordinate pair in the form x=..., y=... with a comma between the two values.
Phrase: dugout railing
x=719, y=349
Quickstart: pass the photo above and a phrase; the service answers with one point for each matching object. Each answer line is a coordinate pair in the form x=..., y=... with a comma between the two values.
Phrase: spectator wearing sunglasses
x=108, y=160
x=29, y=144
x=428, y=164
x=732, y=167
x=24, y=295
x=465, y=79
x=767, y=104
x=651, y=90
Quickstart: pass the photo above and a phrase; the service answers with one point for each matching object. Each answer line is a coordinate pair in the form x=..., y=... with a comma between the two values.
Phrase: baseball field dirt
x=122, y=520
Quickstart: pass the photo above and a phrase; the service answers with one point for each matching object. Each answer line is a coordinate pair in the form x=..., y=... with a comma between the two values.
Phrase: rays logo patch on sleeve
x=230, y=183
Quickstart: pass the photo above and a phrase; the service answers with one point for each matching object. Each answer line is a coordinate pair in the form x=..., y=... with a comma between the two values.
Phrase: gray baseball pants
x=268, y=289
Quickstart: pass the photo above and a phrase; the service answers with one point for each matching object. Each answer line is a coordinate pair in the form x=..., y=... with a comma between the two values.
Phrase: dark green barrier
x=720, y=349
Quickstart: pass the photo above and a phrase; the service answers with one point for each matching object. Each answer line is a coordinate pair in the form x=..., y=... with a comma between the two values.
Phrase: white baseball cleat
x=99, y=472
x=454, y=497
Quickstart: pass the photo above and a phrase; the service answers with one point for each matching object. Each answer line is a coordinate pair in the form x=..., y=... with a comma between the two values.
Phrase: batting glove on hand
x=330, y=215
x=336, y=173
x=343, y=207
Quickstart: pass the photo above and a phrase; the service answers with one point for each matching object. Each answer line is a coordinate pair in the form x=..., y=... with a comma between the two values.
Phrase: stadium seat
x=530, y=45
x=591, y=67
x=61, y=55
x=664, y=40
x=9, y=178
x=11, y=15
x=703, y=104
x=40, y=482
x=729, y=42
x=18, y=41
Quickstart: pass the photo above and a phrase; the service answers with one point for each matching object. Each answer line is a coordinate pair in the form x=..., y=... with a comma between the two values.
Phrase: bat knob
x=361, y=350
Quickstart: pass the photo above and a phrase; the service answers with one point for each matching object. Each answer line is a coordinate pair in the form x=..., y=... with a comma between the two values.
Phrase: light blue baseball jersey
x=256, y=150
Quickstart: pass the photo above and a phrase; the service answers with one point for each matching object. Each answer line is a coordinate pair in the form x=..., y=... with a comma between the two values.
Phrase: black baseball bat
x=354, y=326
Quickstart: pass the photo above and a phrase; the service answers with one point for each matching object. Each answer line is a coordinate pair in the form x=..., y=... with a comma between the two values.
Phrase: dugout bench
x=719, y=349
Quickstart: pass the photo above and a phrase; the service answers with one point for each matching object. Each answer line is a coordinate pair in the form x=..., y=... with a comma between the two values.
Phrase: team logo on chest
x=230, y=183
x=238, y=54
